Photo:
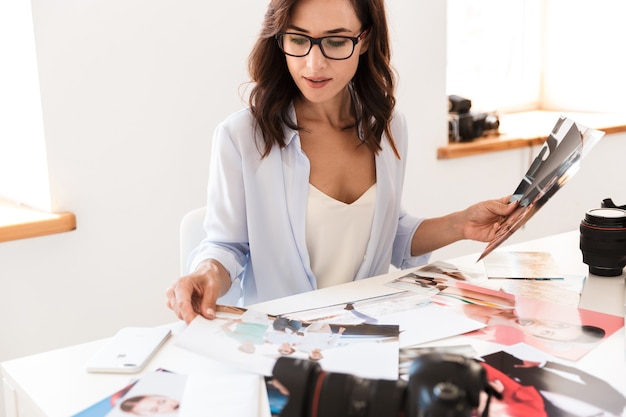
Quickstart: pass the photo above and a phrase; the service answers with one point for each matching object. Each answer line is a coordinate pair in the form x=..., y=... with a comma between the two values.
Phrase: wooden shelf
x=20, y=222
x=519, y=130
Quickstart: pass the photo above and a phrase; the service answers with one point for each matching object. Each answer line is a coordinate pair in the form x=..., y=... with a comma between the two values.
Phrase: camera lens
x=603, y=241
x=440, y=384
x=492, y=122
x=314, y=393
x=347, y=395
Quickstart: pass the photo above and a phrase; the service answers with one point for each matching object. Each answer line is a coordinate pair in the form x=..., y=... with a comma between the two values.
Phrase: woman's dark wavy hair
x=274, y=89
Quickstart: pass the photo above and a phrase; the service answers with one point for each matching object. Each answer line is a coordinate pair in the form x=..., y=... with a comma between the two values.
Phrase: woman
x=306, y=185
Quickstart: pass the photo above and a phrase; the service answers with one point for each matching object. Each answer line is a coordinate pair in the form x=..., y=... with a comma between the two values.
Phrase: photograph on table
x=155, y=394
x=567, y=291
x=411, y=311
x=436, y=276
x=533, y=383
x=342, y=337
x=562, y=330
x=525, y=265
x=253, y=341
x=106, y=405
x=367, y=310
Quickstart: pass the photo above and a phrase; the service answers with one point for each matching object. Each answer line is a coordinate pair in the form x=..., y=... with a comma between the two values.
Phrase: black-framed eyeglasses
x=332, y=47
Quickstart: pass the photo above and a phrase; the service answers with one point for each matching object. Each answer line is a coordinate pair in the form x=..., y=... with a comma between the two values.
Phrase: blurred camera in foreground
x=439, y=385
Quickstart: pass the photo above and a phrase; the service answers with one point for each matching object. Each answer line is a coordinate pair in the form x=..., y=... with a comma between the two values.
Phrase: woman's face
x=156, y=404
x=550, y=329
x=318, y=78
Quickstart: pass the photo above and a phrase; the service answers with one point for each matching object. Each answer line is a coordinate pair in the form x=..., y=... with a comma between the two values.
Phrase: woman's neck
x=337, y=113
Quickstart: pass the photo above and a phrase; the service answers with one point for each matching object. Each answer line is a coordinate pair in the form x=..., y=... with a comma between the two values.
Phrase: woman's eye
x=336, y=42
x=298, y=40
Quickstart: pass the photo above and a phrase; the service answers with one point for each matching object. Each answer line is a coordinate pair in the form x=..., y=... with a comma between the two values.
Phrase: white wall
x=131, y=91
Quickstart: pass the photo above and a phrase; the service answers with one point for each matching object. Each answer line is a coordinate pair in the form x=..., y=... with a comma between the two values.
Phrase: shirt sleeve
x=401, y=256
x=407, y=224
x=225, y=224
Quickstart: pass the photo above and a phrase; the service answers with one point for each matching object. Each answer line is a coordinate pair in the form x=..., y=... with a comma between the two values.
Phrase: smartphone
x=129, y=350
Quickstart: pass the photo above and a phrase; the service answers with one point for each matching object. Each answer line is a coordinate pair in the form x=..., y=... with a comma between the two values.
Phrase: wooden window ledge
x=519, y=130
x=21, y=222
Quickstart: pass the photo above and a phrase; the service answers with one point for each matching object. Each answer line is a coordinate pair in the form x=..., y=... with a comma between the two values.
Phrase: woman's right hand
x=197, y=293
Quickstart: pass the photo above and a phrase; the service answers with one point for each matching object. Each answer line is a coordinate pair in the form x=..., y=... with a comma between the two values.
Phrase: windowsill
x=519, y=130
x=21, y=222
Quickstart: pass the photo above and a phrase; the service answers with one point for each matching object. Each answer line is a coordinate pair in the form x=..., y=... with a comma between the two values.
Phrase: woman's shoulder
x=237, y=130
x=399, y=131
x=238, y=127
x=241, y=119
x=398, y=120
x=242, y=125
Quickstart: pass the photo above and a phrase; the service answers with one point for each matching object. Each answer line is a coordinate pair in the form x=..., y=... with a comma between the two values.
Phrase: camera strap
x=490, y=392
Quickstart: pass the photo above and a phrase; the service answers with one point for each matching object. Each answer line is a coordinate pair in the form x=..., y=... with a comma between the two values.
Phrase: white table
x=55, y=383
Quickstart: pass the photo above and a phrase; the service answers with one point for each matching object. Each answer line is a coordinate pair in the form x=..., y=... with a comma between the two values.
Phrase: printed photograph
x=562, y=330
x=535, y=384
x=558, y=160
x=437, y=276
x=155, y=394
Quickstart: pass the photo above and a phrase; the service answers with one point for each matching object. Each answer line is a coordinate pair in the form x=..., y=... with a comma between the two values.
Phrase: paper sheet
x=234, y=395
x=343, y=354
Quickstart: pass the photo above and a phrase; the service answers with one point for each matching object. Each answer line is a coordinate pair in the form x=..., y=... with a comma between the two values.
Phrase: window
x=23, y=161
x=494, y=53
x=516, y=55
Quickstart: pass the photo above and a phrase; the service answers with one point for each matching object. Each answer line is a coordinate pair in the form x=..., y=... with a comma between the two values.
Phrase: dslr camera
x=465, y=125
x=439, y=385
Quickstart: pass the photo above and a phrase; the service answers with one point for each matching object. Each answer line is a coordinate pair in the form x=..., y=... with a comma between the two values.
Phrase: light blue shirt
x=256, y=208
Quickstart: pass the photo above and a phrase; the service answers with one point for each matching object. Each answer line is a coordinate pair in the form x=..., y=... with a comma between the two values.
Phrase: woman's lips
x=317, y=82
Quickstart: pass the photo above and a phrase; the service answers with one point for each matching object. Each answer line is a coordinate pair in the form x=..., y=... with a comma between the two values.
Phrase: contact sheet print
x=558, y=160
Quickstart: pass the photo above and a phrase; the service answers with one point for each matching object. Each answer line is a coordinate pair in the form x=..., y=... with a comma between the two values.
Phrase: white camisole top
x=337, y=235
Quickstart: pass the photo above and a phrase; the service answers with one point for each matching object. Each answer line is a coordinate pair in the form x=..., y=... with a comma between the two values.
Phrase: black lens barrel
x=439, y=385
x=603, y=241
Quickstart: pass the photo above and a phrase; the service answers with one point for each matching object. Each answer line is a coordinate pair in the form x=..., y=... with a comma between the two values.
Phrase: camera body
x=603, y=239
x=465, y=125
x=439, y=385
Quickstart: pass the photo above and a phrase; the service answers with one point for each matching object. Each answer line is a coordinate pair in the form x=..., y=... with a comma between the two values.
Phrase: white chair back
x=191, y=234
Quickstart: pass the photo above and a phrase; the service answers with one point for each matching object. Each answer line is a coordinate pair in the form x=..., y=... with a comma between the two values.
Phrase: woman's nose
x=315, y=59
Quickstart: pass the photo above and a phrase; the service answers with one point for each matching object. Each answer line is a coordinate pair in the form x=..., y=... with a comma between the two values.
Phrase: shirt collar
x=290, y=133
